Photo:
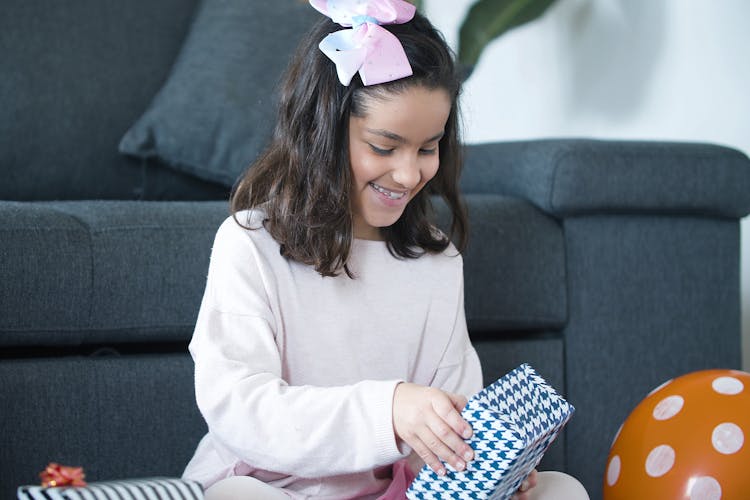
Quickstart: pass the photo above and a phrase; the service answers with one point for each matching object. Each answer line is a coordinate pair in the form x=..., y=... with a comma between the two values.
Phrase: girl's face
x=393, y=152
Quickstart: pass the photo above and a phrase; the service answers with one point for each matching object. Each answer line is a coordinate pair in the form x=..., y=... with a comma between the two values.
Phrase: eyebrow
x=395, y=137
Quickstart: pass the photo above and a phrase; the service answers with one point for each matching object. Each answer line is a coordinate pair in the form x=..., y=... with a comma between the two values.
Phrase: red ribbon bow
x=62, y=475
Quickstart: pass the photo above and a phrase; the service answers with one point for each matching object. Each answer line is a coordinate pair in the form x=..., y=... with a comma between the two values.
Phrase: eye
x=428, y=151
x=380, y=151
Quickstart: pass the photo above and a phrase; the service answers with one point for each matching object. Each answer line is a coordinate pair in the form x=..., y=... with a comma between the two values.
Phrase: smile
x=393, y=195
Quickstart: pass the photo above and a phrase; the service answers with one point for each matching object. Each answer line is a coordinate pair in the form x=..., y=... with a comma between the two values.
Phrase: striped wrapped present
x=156, y=488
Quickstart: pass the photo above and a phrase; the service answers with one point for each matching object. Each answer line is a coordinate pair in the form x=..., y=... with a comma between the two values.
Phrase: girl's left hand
x=523, y=491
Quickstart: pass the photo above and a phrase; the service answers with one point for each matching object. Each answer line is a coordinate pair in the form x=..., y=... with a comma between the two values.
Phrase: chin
x=383, y=222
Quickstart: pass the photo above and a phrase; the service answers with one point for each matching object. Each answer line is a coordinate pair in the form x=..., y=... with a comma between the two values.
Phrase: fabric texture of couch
x=609, y=266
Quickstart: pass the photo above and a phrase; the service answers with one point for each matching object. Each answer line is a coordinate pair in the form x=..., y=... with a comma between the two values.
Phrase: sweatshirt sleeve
x=250, y=410
x=459, y=370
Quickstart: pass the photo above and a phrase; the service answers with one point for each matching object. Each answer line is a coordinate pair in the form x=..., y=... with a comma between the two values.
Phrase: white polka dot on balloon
x=727, y=438
x=705, y=488
x=727, y=385
x=613, y=471
x=668, y=407
x=660, y=460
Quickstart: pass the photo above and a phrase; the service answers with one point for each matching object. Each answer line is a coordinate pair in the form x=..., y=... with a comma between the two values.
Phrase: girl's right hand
x=429, y=421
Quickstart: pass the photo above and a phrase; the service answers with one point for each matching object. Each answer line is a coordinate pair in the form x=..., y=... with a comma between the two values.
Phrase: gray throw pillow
x=216, y=111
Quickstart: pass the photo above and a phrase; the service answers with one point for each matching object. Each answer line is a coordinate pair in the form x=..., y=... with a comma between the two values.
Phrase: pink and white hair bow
x=367, y=48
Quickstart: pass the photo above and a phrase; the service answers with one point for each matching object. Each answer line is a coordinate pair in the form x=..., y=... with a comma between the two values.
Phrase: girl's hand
x=415, y=462
x=523, y=491
x=428, y=420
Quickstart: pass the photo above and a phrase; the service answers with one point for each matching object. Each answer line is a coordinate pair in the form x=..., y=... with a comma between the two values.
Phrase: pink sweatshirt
x=295, y=373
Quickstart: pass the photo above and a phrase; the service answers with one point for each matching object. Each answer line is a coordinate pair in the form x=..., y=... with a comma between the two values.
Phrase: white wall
x=626, y=69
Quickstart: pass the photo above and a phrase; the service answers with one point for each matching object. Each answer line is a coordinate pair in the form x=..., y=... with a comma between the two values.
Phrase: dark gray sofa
x=609, y=266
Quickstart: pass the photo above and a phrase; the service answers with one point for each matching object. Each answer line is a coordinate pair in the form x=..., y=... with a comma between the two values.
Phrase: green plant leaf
x=488, y=19
x=417, y=4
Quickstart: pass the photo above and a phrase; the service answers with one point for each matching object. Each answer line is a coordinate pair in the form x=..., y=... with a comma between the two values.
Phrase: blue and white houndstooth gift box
x=514, y=421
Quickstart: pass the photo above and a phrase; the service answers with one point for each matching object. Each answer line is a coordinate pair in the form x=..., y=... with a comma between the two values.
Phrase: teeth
x=389, y=194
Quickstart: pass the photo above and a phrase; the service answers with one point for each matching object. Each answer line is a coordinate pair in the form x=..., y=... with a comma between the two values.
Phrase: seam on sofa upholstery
x=566, y=282
x=95, y=352
x=535, y=335
x=670, y=214
x=36, y=229
x=140, y=191
x=559, y=156
x=513, y=318
x=106, y=229
x=153, y=327
x=90, y=239
x=152, y=228
x=625, y=150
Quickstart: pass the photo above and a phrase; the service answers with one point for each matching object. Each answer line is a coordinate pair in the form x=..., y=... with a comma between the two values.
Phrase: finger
x=453, y=441
x=437, y=446
x=415, y=462
x=429, y=458
x=532, y=479
x=448, y=412
x=459, y=401
x=525, y=485
x=522, y=493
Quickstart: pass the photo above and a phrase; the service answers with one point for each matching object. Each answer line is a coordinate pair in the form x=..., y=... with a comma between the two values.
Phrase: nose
x=406, y=172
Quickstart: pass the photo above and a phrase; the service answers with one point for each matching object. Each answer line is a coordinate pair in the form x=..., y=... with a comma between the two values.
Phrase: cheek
x=430, y=169
x=364, y=167
x=364, y=172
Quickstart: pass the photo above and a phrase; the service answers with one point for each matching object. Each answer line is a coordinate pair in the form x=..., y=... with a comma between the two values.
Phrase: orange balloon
x=688, y=439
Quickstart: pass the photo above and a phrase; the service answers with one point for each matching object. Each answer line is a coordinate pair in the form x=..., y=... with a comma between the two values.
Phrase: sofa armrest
x=565, y=177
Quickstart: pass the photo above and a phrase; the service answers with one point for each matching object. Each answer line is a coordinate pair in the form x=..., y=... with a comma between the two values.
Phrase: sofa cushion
x=104, y=272
x=100, y=272
x=514, y=266
x=215, y=112
x=118, y=417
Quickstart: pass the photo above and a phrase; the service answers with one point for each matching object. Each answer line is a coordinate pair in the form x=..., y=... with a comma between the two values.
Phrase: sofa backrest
x=75, y=75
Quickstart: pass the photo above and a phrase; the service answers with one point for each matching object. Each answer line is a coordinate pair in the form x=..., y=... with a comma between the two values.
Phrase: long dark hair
x=302, y=180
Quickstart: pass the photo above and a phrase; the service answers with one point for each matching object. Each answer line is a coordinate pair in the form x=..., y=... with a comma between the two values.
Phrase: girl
x=331, y=341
